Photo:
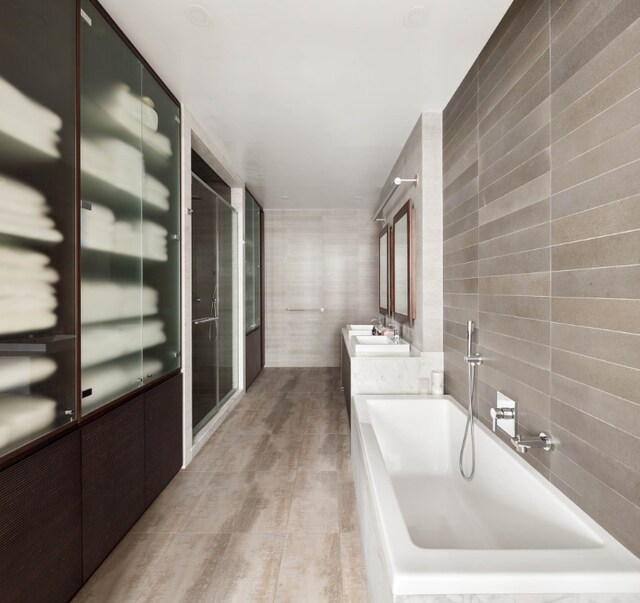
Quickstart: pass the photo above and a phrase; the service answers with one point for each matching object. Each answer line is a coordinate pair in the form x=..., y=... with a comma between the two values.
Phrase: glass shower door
x=213, y=303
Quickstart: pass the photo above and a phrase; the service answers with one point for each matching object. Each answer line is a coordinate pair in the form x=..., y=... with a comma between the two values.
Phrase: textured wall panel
x=162, y=436
x=40, y=534
x=542, y=231
x=112, y=480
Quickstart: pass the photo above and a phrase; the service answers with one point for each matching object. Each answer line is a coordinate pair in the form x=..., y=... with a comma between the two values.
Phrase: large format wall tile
x=541, y=156
x=317, y=259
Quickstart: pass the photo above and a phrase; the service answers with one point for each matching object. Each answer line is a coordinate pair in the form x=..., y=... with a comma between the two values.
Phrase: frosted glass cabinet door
x=37, y=219
x=161, y=228
x=113, y=298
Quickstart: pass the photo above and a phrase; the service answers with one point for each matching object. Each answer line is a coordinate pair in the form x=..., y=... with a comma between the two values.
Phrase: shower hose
x=468, y=430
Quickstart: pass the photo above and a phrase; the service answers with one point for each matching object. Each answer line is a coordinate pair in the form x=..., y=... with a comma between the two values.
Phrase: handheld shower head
x=470, y=328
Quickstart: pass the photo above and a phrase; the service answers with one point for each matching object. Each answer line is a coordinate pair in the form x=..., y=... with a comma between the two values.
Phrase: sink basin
x=380, y=345
x=359, y=330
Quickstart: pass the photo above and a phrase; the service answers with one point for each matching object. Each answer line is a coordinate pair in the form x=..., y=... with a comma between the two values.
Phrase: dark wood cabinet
x=346, y=378
x=254, y=355
x=254, y=288
x=40, y=531
x=162, y=436
x=112, y=480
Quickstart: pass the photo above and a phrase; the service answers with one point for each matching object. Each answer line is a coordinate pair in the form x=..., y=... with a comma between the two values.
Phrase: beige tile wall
x=314, y=259
x=541, y=154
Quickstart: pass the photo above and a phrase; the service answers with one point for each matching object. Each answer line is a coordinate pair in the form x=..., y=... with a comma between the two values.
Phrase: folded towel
x=17, y=371
x=19, y=257
x=97, y=228
x=13, y=275
x=38, y=228
x=27, y=322
x=153, y=333
x=103, y=343
x=32, y=304
x=158, y=142
x=28, y=121
x=155, y=192
x=113, y=161
x=23, y=416
x=17, y=197
x=104, y=301
x=24, y=289
x=129, y=109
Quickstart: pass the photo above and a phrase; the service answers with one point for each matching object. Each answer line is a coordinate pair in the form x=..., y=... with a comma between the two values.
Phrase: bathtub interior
x=506, y=506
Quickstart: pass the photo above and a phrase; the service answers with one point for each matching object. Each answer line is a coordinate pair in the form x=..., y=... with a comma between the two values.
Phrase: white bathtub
x=427, y=531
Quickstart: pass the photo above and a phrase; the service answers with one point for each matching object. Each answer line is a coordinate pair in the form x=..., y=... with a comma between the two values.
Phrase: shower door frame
x=219, y=402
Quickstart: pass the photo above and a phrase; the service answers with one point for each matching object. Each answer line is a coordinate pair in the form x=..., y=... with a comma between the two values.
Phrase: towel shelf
x=39, y=345
x=305, y=309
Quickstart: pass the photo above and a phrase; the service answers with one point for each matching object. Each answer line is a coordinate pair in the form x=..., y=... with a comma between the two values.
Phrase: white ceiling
x=311, y=99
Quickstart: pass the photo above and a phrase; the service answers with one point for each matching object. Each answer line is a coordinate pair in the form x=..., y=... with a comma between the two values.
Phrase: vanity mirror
x=383, y=272
x=403, y=290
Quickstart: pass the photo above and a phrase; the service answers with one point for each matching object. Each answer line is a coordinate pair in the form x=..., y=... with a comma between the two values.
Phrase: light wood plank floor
x=265, y=512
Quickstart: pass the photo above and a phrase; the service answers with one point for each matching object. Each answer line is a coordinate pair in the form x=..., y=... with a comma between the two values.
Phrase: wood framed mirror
x=384, y=289
x=403, y=271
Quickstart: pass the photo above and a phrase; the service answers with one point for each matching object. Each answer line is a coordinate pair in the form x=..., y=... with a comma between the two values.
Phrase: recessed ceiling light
x=357, y=196
x=415, y=17
x=285, y=196
x=198, y=15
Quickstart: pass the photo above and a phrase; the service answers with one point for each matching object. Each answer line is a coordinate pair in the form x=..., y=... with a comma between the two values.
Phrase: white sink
x=359, y=330
x=380, y=345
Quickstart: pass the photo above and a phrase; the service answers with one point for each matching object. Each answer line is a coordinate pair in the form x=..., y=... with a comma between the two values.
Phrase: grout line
x=511, y=109
x=535, y=59
x=504, y=34
x=582, y=182
x=588, y=209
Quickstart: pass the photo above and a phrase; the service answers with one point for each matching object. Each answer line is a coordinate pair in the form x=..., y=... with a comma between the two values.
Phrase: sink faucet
x=377, y=328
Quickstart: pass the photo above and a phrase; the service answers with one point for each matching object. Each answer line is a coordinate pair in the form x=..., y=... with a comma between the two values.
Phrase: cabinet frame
x=98, y=412
x=19, y=454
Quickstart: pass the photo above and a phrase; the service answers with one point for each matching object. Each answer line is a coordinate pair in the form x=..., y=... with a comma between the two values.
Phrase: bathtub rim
x=610, y=568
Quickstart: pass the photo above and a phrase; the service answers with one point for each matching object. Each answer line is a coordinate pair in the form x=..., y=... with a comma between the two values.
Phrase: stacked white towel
x=111, y=380
x=155, y=193
x=101, y=231
x=144, y=238
x=97, y=228
x=25, y=212
x=104, y=343
x=154, y=241
x=131, y=111
x=27, y=297
x=23, y=416
x=113, y=161
x=128, y=109
x=105, y=300
x=158, y=142
x=18, y=371
x=25, y=120
x=122, y=165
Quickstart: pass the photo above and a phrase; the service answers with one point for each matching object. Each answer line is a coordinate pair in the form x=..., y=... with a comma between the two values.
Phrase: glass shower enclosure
x=214, y=302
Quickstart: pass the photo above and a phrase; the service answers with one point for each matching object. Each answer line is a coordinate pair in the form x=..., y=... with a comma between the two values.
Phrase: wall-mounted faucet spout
x=543, y=441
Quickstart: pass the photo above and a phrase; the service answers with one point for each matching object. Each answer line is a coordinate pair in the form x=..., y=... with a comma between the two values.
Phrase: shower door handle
x=202, y=321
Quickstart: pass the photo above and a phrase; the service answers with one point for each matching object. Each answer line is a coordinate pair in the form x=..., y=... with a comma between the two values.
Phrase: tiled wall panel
x=317, y=259
x=541, y=155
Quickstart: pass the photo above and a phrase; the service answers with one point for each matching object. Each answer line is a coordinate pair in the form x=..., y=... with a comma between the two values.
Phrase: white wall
x=422, y=155
x=317, y=259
